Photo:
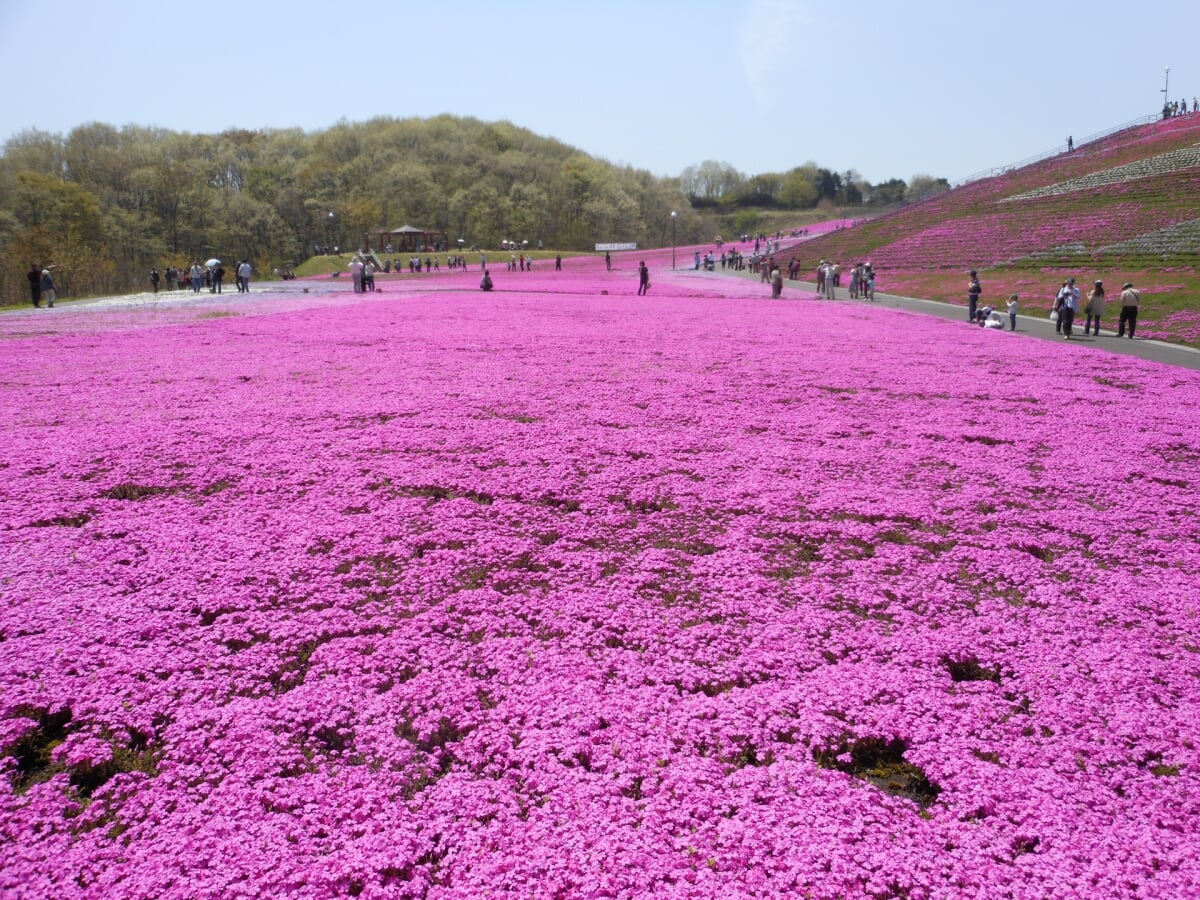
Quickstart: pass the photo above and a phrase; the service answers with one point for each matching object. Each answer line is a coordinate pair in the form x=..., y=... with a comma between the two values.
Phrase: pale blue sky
x=891, y=89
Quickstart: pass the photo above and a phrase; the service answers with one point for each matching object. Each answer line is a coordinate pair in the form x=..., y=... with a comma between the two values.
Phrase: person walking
x=48, y=288
x=1130, y=298
x=1095, y=308
x=776, y=283
x=643, y=278
x=35, y=285
x=974, y=289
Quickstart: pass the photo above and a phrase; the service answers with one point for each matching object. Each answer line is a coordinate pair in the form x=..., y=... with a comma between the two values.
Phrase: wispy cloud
x=773, y=33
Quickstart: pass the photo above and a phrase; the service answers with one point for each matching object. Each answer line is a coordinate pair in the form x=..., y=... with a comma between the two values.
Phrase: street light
x=672, y=240
x=1166, y=96
x=329, y=230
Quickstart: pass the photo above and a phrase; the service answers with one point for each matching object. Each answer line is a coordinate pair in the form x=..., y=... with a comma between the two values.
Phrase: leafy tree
x=888, y=192
x=798, y=190
x=924, y=185
x=711, y=182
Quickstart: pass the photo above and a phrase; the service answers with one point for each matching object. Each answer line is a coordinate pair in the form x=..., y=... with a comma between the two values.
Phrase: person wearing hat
x=973, y=291
x=1095, y=308
x=1130, y=299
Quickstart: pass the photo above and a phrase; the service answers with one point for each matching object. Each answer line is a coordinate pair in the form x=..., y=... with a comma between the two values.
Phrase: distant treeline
x=104, y=204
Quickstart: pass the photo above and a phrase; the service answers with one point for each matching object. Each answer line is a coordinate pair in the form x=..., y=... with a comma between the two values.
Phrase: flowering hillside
x=1121, y=208
x=564, y=592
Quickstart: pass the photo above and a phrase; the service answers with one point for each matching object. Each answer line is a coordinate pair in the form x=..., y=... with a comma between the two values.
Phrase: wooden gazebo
x=411, y=240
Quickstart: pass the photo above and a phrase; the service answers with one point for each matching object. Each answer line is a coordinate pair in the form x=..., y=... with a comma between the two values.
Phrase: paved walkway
x=1036, y=323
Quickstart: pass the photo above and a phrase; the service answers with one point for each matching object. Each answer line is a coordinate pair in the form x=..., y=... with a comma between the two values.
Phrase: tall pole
x=672, y=240
x=1166, y=84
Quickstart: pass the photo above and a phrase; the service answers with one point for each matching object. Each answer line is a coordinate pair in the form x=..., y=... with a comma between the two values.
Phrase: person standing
x=776, y=283
x=607, y=261
x=197, y=275
x=1056, y=309
x=35, y=284
x=974, y=289
x=218, y=278
x=356, y=274
x=1095, y=308
x=154, y=279
x=1070, y=306
x=558, y=262
x=643, y=278
x=243, y=274
x=1012, y=312
x=48, y=289
x=1130, y=298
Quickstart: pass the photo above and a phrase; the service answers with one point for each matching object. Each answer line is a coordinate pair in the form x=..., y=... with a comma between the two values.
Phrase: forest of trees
x=104, y=204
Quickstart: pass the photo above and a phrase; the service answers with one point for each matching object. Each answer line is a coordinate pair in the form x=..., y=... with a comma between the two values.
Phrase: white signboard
x=600, y=247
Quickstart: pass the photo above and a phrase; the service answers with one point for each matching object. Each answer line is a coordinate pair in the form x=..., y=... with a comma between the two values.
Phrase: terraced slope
x=1126, y=207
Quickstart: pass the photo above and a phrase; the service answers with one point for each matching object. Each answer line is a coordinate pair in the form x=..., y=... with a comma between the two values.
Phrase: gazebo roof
x=408, y=229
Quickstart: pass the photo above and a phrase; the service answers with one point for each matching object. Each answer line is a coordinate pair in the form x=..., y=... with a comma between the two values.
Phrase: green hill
x=1125, y=207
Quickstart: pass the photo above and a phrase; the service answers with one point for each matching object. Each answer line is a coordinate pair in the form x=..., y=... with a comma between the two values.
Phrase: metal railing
x=1001, y=170
x=1057, y=151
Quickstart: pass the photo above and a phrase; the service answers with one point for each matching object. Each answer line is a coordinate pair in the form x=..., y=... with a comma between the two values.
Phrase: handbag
x=1054, y=315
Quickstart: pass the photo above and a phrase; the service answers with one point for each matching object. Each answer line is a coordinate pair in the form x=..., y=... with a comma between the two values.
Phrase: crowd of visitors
x=1179, y=107
x=1067, y=306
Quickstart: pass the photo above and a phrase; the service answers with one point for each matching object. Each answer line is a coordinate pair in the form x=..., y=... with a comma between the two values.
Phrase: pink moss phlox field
x=554, y=593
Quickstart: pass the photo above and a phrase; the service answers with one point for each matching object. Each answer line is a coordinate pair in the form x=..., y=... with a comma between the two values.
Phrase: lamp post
x=673, y=240
x=329, y=225
x=1166, y=84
